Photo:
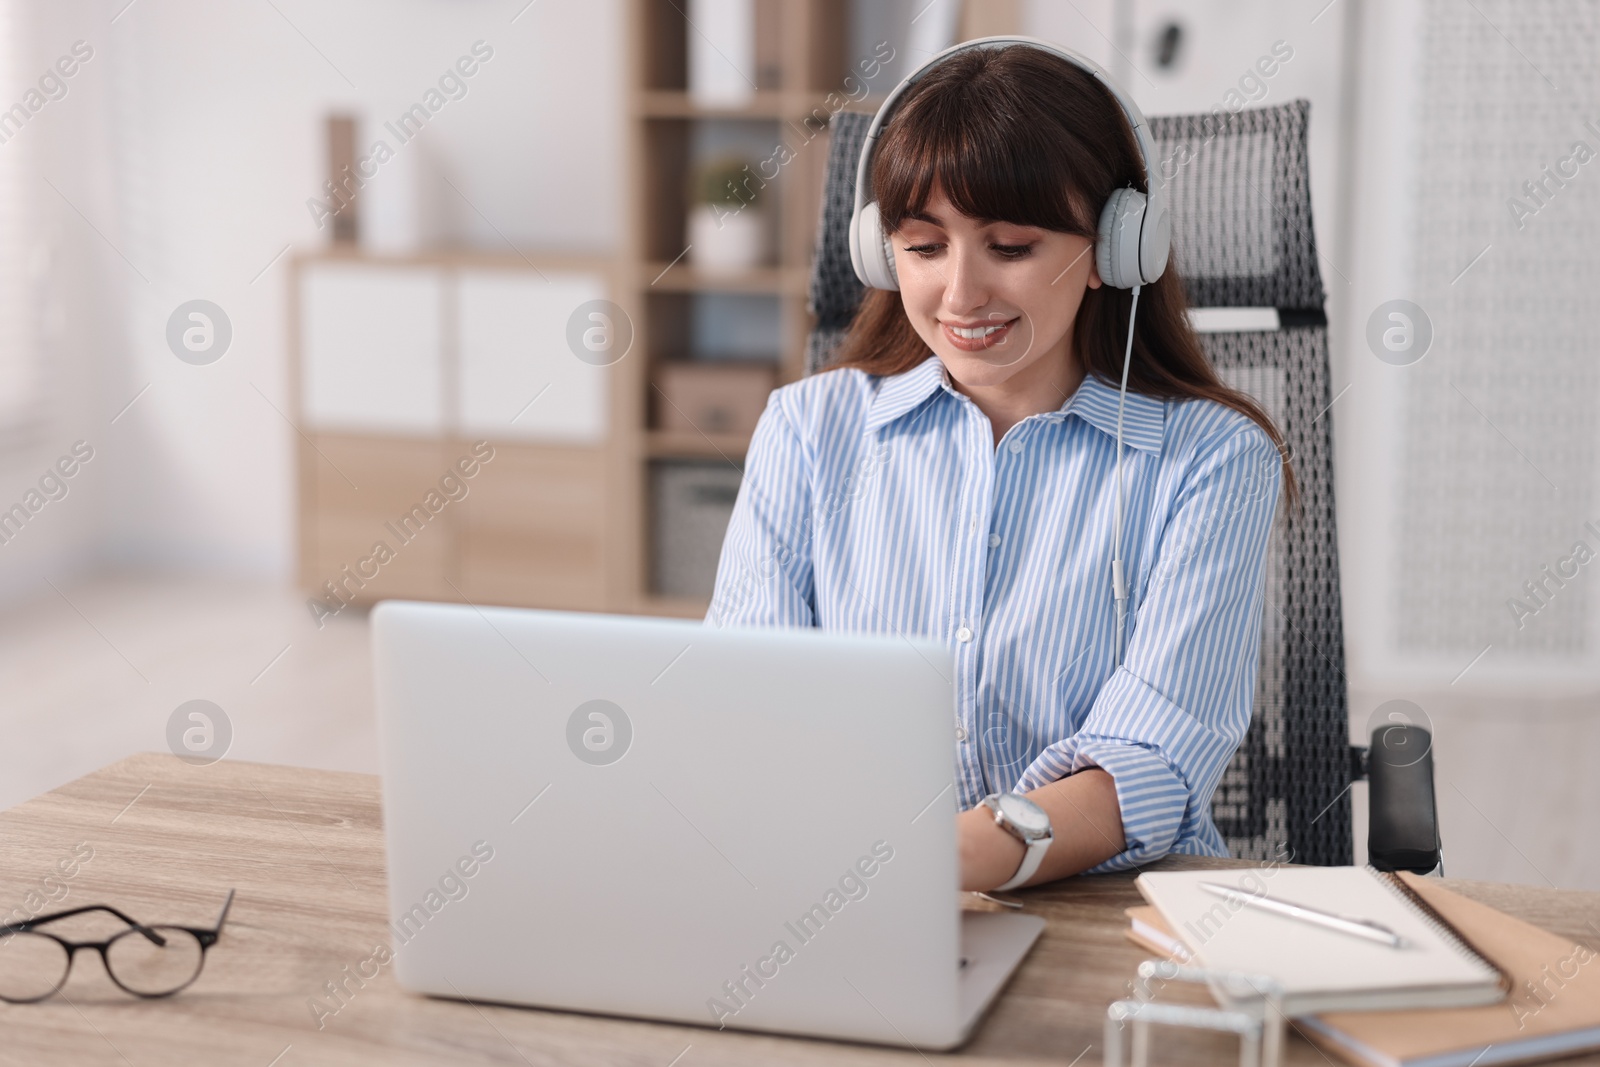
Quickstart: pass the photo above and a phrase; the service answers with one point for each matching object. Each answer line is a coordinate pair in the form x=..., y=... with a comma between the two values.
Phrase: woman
x=953, y=474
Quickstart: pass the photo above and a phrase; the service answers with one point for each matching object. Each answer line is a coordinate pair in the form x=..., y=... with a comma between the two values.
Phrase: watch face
x=1024, y=813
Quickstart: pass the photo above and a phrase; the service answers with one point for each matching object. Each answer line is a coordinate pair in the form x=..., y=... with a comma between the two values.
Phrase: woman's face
x=995, y=301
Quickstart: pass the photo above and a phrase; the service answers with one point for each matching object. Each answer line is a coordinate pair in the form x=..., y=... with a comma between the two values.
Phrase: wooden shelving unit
x=400, y=363
x=659, y=282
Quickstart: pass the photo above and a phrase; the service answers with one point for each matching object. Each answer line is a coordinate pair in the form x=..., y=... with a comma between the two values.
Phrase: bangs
x=990, y=160
x=1011, y=135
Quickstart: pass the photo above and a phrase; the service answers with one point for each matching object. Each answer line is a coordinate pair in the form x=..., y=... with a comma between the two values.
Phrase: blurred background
x=304, y=304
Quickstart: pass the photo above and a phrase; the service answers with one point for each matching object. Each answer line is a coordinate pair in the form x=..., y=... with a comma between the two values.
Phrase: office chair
x=1242, y=238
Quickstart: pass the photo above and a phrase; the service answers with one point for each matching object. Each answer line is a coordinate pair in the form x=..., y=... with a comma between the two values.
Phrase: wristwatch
x=1028, y=823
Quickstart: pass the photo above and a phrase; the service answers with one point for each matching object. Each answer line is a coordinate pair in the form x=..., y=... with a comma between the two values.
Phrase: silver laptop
x=746, y=828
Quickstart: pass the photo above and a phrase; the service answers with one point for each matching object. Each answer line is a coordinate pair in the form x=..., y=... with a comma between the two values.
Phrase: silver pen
x=1363, y=928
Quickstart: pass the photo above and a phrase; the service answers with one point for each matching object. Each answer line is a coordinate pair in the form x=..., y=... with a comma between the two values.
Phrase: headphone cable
x=1119, y=582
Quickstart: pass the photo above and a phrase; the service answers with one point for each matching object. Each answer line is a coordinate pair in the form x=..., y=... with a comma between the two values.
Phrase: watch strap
x=1030, y=862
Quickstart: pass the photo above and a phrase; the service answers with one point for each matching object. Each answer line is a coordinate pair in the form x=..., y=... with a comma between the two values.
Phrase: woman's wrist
x=1085, y=816
x=990, y=855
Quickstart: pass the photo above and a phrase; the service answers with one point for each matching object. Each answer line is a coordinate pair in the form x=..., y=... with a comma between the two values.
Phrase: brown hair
x=1022, y=136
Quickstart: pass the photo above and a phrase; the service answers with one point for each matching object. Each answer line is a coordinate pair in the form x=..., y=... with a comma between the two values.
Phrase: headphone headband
x=1149, y=243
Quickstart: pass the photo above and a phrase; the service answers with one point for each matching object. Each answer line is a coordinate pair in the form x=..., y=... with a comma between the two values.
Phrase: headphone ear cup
x=1155, y=244
x=1133, y=246
x=870, y=251
x=892, y=272
x=1116, y=252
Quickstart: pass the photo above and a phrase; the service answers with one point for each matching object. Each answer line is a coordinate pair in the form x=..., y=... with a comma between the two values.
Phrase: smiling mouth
x=977, y=338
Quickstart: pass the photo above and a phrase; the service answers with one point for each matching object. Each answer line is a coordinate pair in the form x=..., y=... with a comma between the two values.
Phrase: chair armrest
x=1403, y=819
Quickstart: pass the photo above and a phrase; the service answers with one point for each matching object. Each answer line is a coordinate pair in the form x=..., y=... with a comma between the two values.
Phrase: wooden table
x=305, y=850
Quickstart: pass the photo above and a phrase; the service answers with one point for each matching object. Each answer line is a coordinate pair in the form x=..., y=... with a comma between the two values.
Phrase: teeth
x=976, y=332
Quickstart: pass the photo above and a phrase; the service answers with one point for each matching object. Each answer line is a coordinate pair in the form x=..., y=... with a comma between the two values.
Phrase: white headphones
x=1131, y=247
x=1135, y=233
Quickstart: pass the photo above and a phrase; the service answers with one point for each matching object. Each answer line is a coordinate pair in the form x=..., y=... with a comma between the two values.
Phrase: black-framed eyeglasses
x=147, y=961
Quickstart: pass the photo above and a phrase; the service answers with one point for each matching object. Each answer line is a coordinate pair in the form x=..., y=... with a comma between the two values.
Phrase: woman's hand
x=1084, y=817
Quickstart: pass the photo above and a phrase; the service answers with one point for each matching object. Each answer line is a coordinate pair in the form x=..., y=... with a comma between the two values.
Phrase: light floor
x=95, y=671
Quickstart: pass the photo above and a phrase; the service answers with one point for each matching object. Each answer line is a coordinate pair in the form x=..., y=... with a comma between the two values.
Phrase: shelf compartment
x=682, y=278
x=677, y=104
x=691, y=504
x=810, y=43
x=686, y=607
x=688, y=444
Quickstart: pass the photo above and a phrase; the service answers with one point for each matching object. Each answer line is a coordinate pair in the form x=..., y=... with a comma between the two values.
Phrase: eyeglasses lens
x=32, y=966
x=141, y=966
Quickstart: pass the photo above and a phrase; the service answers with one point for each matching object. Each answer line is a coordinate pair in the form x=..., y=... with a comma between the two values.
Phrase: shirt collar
x=900, y=393
x=1144, y=418
x=1095, y=402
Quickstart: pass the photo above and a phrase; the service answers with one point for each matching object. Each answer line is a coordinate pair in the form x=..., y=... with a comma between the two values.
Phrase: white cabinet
x=519, y=378
x=371, y=337
x=422, y=350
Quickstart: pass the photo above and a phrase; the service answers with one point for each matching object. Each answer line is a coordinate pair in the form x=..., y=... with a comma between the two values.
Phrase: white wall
x=192, y=141
x=1501, y=402
x=66, y=315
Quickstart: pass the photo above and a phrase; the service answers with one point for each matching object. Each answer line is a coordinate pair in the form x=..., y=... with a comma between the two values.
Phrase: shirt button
x=1016, y=446
x=964, y=634
x=994, y=540
x=961, y=733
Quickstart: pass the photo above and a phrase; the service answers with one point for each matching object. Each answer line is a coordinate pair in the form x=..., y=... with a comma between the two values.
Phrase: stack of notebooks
x=1471, y=987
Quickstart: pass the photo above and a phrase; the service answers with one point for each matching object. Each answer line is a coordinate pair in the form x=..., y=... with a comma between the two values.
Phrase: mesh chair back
x=1242, y=237
x=836, y=292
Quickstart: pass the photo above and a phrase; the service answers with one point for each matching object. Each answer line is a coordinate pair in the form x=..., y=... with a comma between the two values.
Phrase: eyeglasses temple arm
x=149, y=934
x=42, y=919
x=222, y=917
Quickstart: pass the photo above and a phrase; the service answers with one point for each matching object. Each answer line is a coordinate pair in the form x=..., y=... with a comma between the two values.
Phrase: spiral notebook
x=1322, y=970
x=1553, y=1009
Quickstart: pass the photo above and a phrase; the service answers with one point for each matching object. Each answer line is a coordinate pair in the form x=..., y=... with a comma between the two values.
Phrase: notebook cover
x=1555, y=991
x=1151, y=917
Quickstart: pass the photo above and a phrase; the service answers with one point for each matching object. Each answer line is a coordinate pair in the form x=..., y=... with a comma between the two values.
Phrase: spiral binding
x=1438, y=923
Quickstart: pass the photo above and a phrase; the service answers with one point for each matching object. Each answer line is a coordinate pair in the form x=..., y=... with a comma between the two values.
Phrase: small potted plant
x=729, y=228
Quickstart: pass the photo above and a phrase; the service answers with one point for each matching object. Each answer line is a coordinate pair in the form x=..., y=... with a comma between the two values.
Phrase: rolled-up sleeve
x=764, y=574
x=1166, y=722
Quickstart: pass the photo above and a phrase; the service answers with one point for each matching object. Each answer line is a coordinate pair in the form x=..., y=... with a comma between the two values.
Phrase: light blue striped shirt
x=876, y=504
